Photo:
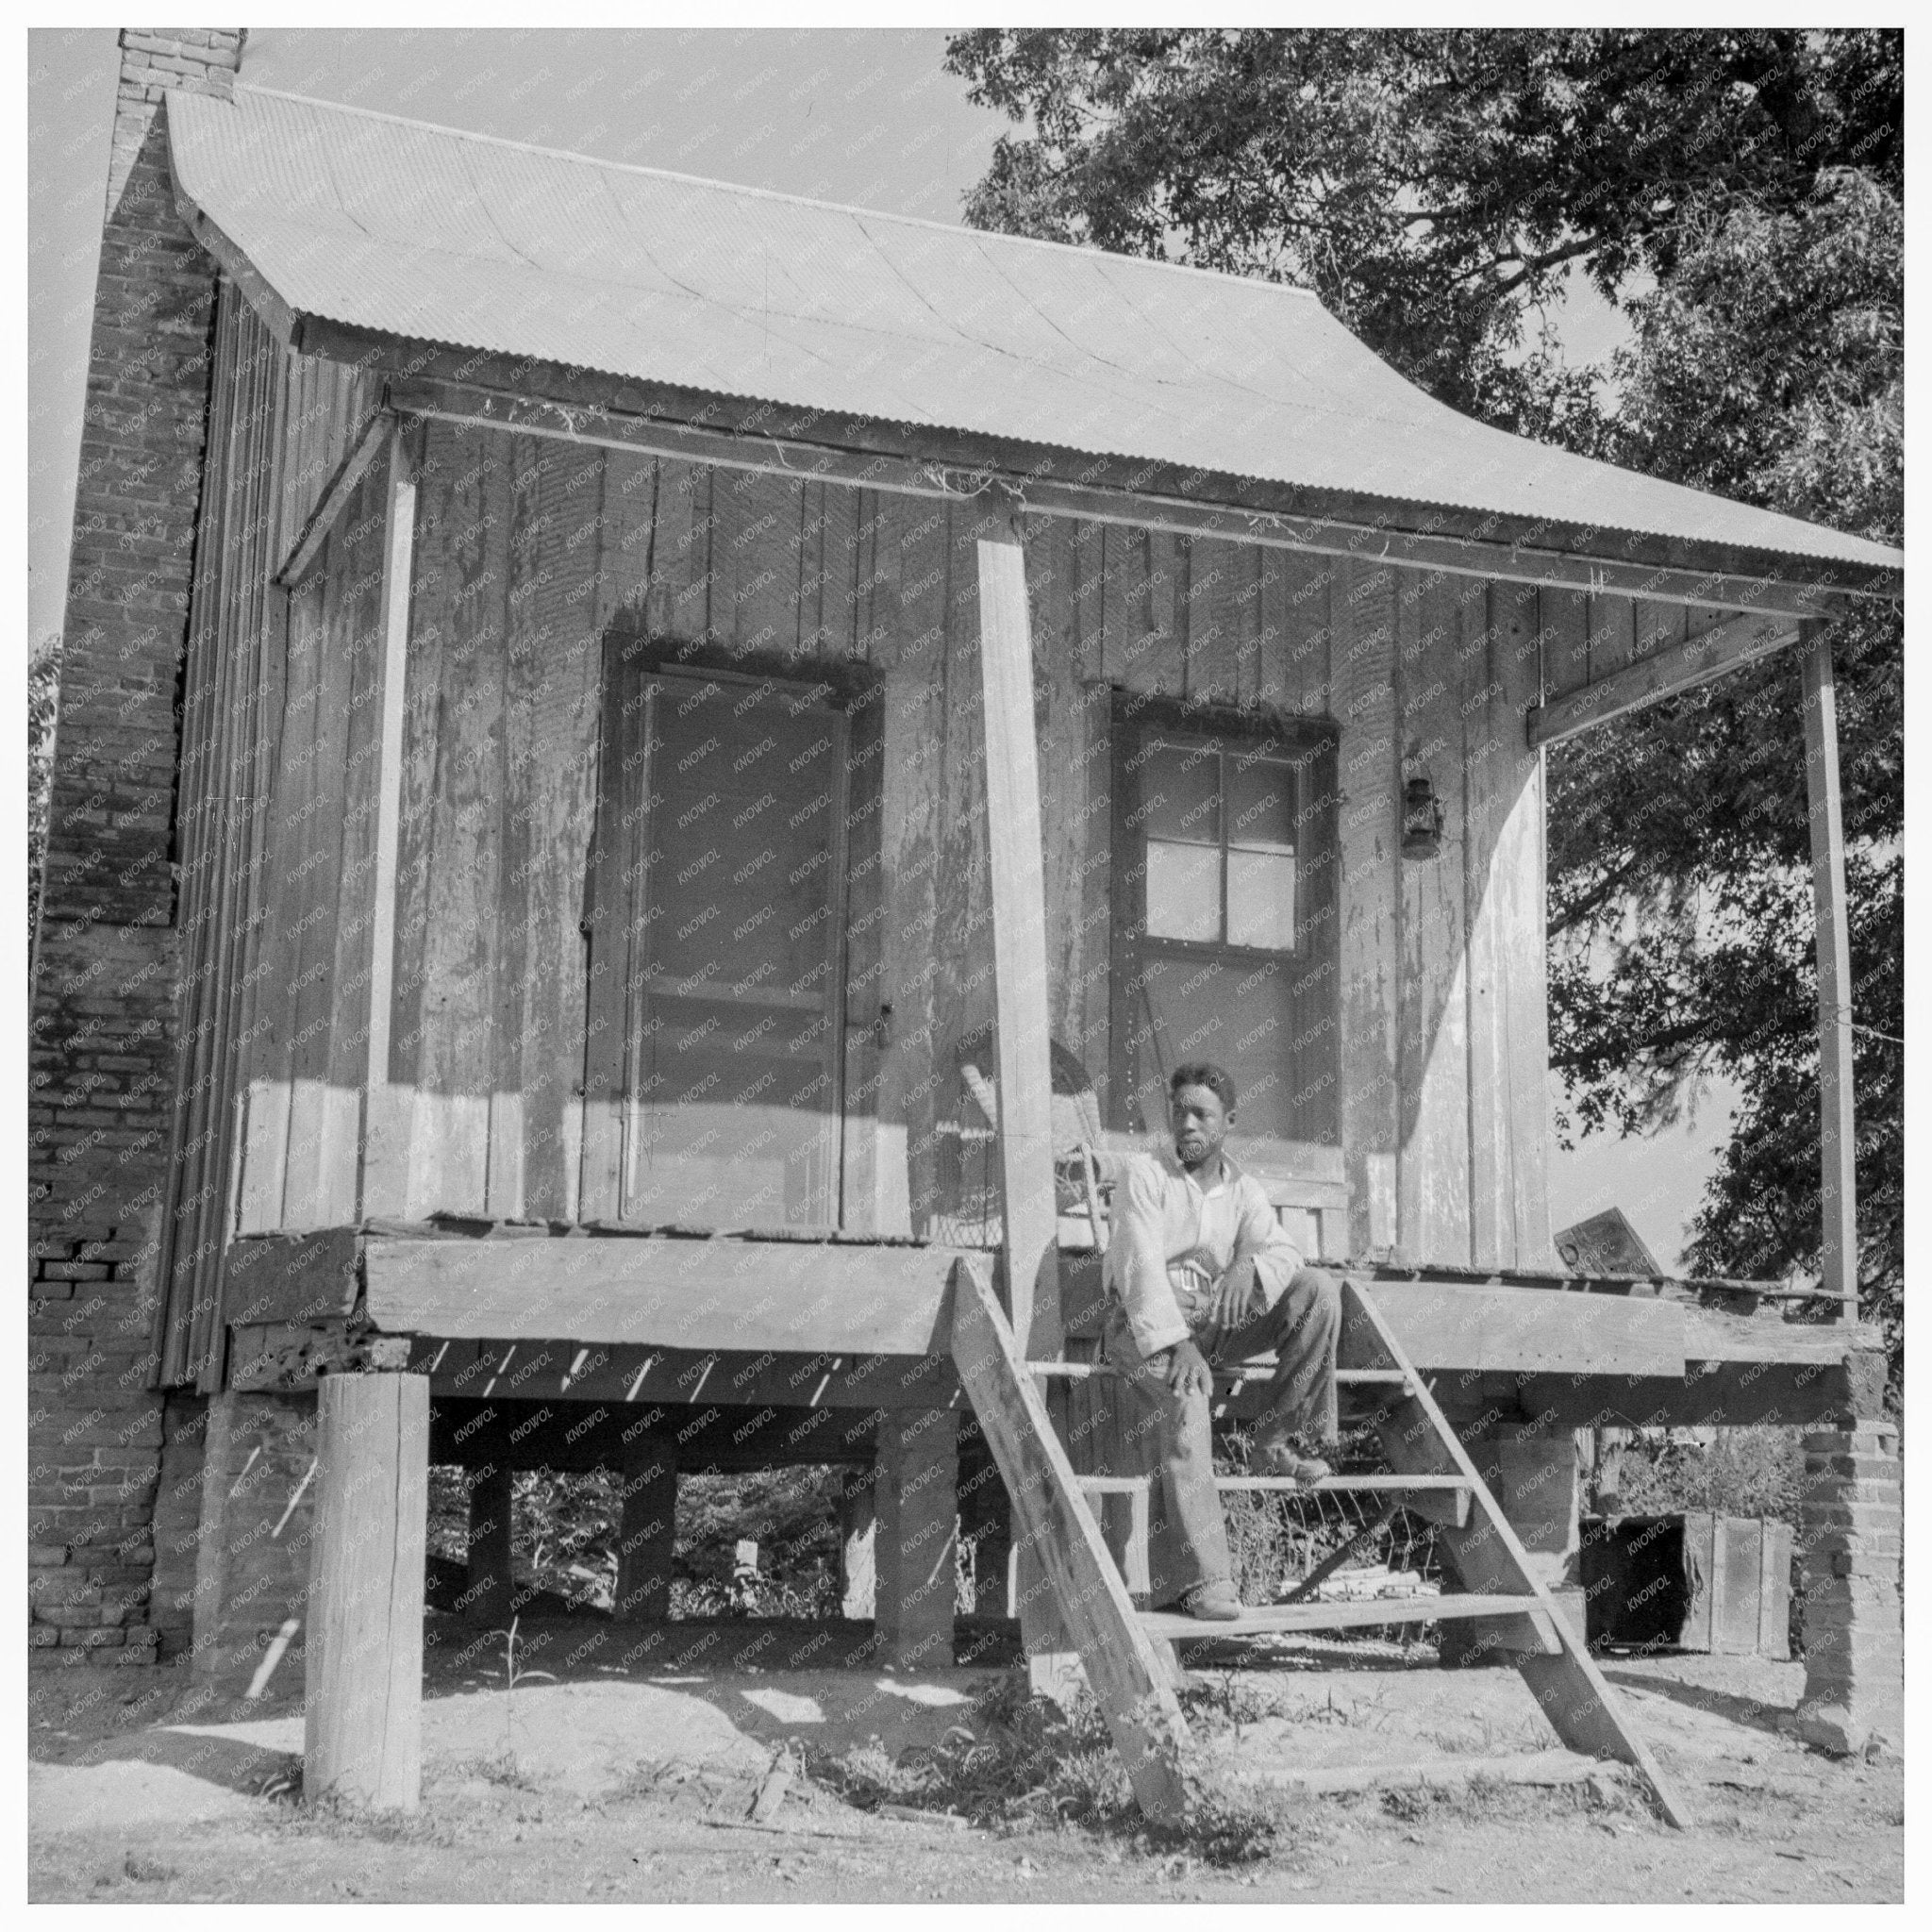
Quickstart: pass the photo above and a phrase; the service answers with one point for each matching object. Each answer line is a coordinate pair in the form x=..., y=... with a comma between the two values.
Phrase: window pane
x=1183, y=890
x=1238, y=1016
x=1261, y=900
x=1260, y=804
x=1181, y=791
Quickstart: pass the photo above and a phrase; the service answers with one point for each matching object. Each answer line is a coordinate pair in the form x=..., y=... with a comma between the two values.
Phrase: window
x=1223, y=924
x=1220, y=827
x=715, y=1018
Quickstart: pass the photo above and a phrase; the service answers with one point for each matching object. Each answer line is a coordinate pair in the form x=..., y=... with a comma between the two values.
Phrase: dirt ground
x=631, y=1780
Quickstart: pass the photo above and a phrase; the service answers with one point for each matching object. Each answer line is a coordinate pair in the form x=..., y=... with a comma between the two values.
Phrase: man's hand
x=1188, y=1373
x=1232, y=1303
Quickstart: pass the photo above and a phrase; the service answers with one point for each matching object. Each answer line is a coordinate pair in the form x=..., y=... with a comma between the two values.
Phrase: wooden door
x=715, y=1019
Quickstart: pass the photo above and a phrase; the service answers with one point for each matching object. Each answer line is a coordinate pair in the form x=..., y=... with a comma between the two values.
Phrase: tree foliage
x=1768, y=367
x=1434, y=187
x=1737, y=194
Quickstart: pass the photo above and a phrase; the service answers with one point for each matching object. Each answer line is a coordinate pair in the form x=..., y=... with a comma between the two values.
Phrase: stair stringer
x=1489, y=1559
x=1129, y=1677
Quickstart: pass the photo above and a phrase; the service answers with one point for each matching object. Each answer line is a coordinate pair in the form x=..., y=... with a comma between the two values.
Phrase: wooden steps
x=1274, y=1620
x=1128, y=1655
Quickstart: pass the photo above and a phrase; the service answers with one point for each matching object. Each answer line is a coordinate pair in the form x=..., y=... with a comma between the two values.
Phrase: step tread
x=1332, y=1485
x=1244, y=1370
x=1124, y=1485
x=1273, y=1619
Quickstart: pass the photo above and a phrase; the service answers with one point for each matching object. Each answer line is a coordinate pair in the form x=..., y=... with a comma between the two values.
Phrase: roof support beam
x=1497, y=560
x=1704, y=655
x=1125, y=502
x=1837, y=1141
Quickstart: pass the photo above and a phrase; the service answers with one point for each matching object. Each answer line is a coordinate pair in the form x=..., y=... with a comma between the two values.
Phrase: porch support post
x=362, y=1740
x=1029, y=1216
x=1542, y=1498
x=916, y=1500
x=1029, y=1220
x=647, y=1532
x=1838, y=1143
x=1851, y=1522
x=1535, y=1474
x=856, y=1531
x=487, y=1591
x=386, y=1109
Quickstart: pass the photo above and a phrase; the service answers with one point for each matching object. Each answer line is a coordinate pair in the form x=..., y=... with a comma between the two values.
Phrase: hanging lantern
x=1421, y=820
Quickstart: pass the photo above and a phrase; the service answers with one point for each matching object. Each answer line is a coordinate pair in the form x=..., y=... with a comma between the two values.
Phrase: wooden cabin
x=671, y=674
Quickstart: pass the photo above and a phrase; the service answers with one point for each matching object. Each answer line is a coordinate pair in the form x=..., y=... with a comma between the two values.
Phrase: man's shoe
x=1278, y=1459
x=1211, y=1603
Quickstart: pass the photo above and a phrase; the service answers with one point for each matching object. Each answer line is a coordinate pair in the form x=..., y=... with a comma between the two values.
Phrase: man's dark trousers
x=1188, y=1537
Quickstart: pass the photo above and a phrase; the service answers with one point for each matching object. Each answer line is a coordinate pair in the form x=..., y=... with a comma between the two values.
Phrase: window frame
x=1310, y=746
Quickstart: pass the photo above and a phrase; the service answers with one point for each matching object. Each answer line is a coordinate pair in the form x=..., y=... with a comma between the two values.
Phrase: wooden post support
x=1030, y=1223
x=856, y=1585
x=1838, y=1142
x=648, y=1530
x=362, y=1740
x=491, y=1578
x=1534, y=1476
x=386, y=1109
x=915, y=1534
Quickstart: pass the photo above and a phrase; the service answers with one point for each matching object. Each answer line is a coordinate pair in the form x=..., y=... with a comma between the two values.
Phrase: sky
x=865, y=116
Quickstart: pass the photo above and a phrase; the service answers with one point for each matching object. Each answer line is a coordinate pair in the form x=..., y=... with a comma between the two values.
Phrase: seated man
x=1198, y=1267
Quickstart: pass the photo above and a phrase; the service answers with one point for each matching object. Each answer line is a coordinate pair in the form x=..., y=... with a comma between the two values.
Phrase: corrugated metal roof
x=459, y=238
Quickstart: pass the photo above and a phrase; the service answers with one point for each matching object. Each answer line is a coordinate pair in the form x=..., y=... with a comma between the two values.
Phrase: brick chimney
x=104, y=1018
x=199, y=59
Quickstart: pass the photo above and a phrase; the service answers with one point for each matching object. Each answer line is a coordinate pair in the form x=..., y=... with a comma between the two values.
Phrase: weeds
x=1754, y=1472
x=1030, y=1766
x=512, y=1676
x=501, y=1770
x=1223, y=1702
x=331, y=1817
x=1525, y=1734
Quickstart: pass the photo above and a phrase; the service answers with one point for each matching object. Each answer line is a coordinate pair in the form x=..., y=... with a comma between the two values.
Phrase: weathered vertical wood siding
x=263, y=718
x=528, y=551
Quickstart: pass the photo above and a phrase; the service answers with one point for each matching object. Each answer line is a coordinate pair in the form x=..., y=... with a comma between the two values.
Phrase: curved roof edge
x=351, y=230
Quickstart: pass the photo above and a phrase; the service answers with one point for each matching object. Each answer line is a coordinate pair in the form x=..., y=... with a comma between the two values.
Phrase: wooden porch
x=700, y=1317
